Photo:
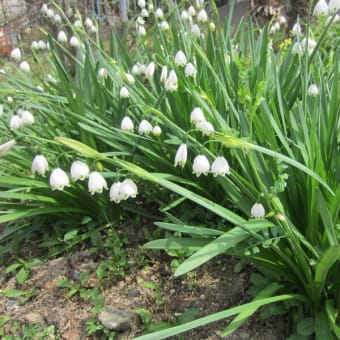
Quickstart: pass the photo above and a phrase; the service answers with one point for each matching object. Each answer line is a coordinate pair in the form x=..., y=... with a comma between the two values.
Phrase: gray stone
x=118, y=319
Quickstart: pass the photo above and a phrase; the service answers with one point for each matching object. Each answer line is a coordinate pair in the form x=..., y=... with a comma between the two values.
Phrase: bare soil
x=213, y=287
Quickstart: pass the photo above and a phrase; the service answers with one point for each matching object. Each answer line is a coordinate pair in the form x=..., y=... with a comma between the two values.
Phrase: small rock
x=133, y=293
x=244, y=335
x=10, y=304
x=34, y=318
x=172, y=291
x=118, y=319
x=75, y=274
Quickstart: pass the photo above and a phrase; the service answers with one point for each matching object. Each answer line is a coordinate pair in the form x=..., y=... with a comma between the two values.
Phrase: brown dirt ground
x=213, y=287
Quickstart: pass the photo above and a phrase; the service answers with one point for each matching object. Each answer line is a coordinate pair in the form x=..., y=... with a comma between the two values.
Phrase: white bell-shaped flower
x=190, y=70
x=5, y=147
x=150, y=70
x=39, y=165
x=212, y=26
x=157, y=131
x=141, y=3
x=124, y=92
x=42, y=45
x=313, y=90
x=141, y=30
x=16, y=54
x=130, y=79
x=257, y=211
x=195, y=30
x=282, y=20
x=197, y=115
x=79, y=170
x=220, y=167
x=181, y=155
x=102, y=73
x=171, y=83
x=115, y=193
x=15, y=122
x=192, y=11
x=164, y=26
x=334, y=5
x=297, y=48
x=144, y=127
x=321, y=8
x=27, y=117
x=96, y=183
x=159, y=13
x=144, y=13
x=164, y=74
x=185, y=15
x=57, y=19
x=50, y=13
x=296, y=30
x=77, y=23
x=128, y=189
x=127, y=124
x=24, y=66
x=59, y=179
x=180, y=59
x=202, y=16
x=34, y=45
x=201, y=165
x=205, y=127
x=62, y=37
x=88, y=22
x=74, y=42
x=1, y=110
x=135, y=70
x=44, y=9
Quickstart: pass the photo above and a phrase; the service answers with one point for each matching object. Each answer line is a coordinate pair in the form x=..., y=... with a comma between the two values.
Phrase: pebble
x=10, y=304
x=244, y=335
x=172, y=291
x=118, y=319
x=133, y=293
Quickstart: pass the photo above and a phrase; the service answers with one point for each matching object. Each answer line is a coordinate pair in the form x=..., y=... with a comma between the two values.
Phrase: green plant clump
x=236, y=141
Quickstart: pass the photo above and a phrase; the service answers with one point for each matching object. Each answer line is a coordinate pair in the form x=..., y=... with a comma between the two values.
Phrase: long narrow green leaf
x=182, y=228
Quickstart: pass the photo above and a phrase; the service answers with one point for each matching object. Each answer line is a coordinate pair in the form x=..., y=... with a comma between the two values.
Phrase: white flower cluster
x=80, y=171
x=21, y=118
x=201, y=165
x=322, y=8
x=197, y=117
x=144, y=127
x=49, y=13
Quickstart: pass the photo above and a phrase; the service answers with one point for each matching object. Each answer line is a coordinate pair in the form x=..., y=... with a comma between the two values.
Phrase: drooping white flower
x=164, y=74
x=124, y=92
x=77, y=23
x=159, y=13
x=185, y=15
x=180, y=58
x=220, y=167
x=39, y=165
x=127, y=124
x=164, y=26
x=310, y=43
x=42, y=45
x=102, y=73
x=334, y=5
x=192, y=11
x=144, y=13
x=79, y=170
x=130, y=79
x=257, y=211
x=202, y=16
x=59, y=179
x=141, y=30
x=151, y=7
x=336, y=19
x=88, y=22
x=15, y=122
x=156, y=131
x=197, y=115
x=212, y=26
x=16, y=54
x=282, y=20
x=128, y=189
x=44, y=9
x=62, y=37
x=275, y=27
x=195, y=30
x=144, y=127
x=190, y=70
x=27, y=117
x=297, y=48
x=24, y=66
x=92, y=29
x=10, y=99
x=296, y=30
x=321, y=8
x=181, y=155
x=96, y=183
x=50, y=13
x=34, y=45
x=171, y=83
x=57, y=19
x=74, y=42
x=205, y=127
x=150, y=70
x=5, y=147
x=1, y=110
x=141, y=3
x=201, y=165
x=135, y=70
x=115, y=193
x=140, y=21
x=313, y=90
